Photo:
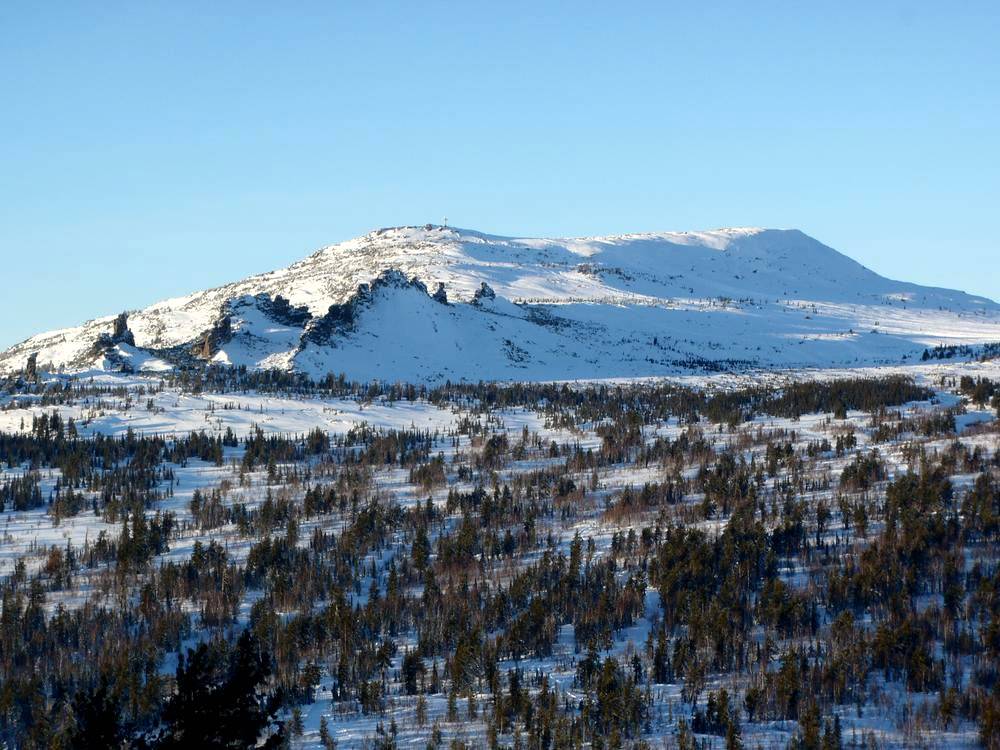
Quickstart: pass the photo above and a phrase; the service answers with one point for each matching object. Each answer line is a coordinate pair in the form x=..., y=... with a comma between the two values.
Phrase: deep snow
x=623, y=306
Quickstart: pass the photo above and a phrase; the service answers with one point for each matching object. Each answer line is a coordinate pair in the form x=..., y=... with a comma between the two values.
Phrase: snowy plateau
x=429, y=304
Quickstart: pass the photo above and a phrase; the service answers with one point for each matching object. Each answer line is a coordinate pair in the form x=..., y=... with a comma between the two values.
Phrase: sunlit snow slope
x=624, y=306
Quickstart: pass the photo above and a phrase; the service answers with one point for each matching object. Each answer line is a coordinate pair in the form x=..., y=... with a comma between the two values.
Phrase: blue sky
x=152, y=149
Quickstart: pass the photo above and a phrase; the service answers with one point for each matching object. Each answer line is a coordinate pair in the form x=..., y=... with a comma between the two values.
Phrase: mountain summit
x=432, y=303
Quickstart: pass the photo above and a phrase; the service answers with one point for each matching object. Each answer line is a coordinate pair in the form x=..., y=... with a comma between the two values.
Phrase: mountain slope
x=429, y=303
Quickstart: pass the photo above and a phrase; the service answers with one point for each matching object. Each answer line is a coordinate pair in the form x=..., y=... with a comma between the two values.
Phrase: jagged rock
x=120, y=333
x=485, y=291
x=101, y=347
x=440, y=295
x=277, y=308
x=31, y=367
x=213, y=339
x=105, y=343
x=340, y=318
x=281, y=311
x=393, y=277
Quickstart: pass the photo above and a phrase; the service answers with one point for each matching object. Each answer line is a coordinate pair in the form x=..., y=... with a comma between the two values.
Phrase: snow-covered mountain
x=430, y=303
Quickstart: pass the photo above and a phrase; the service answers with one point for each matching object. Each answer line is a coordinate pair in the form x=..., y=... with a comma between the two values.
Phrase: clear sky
x=151, y=149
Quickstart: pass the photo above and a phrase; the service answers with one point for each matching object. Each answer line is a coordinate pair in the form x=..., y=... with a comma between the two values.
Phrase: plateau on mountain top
x=430, y=303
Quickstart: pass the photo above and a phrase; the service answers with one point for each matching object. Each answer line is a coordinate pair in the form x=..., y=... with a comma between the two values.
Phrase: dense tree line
x=806, y=569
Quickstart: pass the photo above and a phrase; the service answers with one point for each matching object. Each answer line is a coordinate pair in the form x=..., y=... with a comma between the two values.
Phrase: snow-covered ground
x=622, y=306
x=144, y=406
x=177, y=413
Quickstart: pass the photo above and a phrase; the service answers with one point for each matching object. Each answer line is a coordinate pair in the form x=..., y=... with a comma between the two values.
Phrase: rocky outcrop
x=209, y=343
x=484, y=292
x=120, y=333
x=338, y=319
x=440, y=295
x=281, y=311
x=341, y=318
x=393, y=278
x=104, y=346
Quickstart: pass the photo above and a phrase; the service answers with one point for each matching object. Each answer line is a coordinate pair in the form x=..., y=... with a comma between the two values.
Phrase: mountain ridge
x=464, y=304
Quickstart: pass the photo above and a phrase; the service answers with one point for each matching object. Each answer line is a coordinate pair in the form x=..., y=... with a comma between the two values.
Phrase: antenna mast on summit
x=445, y=224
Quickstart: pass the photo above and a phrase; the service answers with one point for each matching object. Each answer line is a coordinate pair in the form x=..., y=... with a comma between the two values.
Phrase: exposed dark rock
x=103, y=346
x=440, y=295
x=105, y=343
x=277, y=308
x=485, y=291
x=341, y=318
x=543, y=316
x=212, y=340
x=31, y=367
x=338, y=319
x=392, y=277
x=120, y=333
x=281, y=311
x=515, y=353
